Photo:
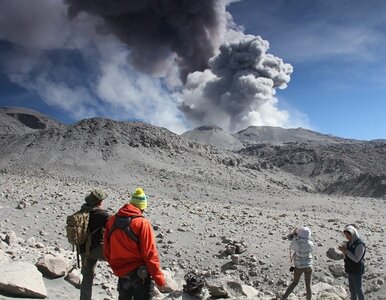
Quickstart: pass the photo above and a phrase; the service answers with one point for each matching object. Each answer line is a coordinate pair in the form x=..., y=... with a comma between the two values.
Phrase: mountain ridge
x=107, y=148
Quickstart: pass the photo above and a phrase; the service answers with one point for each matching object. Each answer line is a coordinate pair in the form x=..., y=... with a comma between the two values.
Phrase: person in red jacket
x=129, y=248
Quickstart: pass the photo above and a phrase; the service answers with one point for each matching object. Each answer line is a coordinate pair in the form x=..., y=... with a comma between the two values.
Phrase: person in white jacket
x=301, y=249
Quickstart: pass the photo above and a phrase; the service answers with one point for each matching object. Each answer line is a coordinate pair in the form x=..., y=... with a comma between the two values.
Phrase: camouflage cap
x=95, y=196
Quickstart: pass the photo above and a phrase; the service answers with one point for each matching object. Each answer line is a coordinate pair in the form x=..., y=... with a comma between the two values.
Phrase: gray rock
x=337, y=270
x=31, y=242
x=216, y=289
x=3, y=257
x=235, y=259
x=326, y=291
x=375, y=285
x=334, y=254
x=74, y=277
x=52, y=266
x=170, y=282
x=249, y=291
x=13, y=284
x=235, y=289
x=11, y=238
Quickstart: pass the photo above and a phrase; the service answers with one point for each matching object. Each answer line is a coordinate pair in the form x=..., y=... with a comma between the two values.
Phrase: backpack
x=123, y=223
x=194, y=283
x=77, y=230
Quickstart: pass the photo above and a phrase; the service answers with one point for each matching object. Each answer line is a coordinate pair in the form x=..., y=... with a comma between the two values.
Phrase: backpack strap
x=124, y=224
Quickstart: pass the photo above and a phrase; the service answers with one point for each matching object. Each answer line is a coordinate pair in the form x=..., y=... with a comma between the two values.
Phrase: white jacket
x=303, y=249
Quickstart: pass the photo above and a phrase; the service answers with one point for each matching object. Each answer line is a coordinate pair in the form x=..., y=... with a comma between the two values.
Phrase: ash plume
x=171, y=63
x=156, y=30
x=238, y=90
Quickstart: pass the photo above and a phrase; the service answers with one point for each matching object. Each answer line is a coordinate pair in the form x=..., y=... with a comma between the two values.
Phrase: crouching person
x=130, y=249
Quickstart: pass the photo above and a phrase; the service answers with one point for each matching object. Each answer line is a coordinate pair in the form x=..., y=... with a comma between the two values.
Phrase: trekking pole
x=77, y=257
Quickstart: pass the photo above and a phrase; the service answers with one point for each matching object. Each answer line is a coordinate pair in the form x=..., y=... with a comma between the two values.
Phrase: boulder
x=374, y=285
x=249, y=291
x=328, y=296
x=11, y=283
x=216, y=289
x=74, y=277
x=3, y=257
x=170, y=282
x=52, y=266
x=337, y=270
x=334, y=254
x=11, y=238
x=325, y=291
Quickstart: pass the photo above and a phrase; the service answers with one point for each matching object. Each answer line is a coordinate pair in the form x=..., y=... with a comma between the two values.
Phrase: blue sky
x=337, y=49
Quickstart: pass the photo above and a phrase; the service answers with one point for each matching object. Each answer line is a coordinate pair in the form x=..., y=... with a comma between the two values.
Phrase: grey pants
x=307, y=278
x=88, y=266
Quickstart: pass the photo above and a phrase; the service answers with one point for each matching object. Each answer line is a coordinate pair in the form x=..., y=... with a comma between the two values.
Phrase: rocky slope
x=17, y=120
x=279, y=136
x=239, y=244
x=107, y=149
x=215, y=136
x=334, y=165
x=356, y=169
x=205, y=203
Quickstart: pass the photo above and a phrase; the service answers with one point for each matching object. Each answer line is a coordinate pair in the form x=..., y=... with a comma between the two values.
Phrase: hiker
x=92, y=251
x=131, y=251
x=302, y=259
x=354, y=252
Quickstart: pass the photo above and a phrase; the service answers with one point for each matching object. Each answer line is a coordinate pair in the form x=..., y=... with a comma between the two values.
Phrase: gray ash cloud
x=239, y=88
x=155, y=30
x=173, y=63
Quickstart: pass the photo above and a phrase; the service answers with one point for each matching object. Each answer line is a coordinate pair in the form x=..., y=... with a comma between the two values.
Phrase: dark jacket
x=96, y=224
x=354, y=258
x=351, y=266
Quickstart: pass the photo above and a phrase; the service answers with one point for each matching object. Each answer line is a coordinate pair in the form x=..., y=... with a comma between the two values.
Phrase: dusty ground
x=194, y=228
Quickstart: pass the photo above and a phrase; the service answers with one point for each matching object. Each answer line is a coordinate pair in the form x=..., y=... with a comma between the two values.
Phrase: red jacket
x=125, y=255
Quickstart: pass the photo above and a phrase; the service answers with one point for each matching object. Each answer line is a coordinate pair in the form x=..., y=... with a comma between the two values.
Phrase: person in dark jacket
x=354, y=252
x=93, y=251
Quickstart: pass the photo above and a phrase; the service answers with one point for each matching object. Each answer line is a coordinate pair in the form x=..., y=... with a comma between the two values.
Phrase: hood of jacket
x=353, y=231
x=303, y=232
x=129, y=210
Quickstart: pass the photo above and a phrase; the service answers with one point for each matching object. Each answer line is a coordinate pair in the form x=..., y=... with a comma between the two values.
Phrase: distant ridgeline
x=330, y=164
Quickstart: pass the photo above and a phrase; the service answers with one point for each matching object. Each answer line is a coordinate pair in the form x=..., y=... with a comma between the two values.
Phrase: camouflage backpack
x=77, y=228
x=77, y=231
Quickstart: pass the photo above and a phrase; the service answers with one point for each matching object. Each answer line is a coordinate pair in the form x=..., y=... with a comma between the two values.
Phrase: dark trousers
x=88, y=271
x=307, y=278
x=355, y=286
x=131, y=287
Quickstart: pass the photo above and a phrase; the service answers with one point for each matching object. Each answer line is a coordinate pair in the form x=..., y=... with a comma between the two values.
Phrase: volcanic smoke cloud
x=172, y=63
x=239, y=88
x=157, y=29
